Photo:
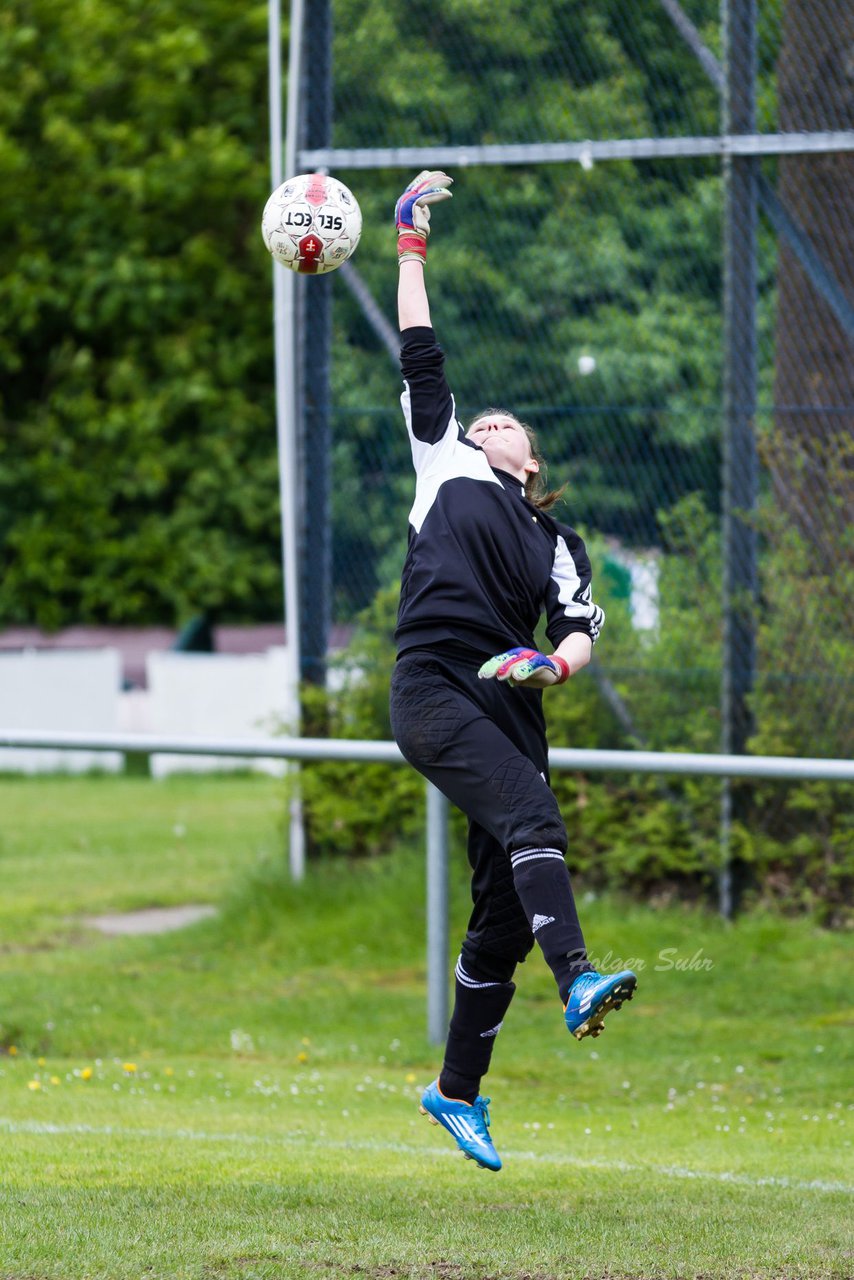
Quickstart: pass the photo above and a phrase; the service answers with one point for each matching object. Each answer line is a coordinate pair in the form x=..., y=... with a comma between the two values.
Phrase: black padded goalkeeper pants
x=483, y=744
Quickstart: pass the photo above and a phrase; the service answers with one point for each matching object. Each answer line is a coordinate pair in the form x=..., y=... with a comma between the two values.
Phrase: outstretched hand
x=412, y=215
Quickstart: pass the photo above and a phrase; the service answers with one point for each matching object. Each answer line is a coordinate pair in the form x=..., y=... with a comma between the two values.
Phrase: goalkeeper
x=485, y=560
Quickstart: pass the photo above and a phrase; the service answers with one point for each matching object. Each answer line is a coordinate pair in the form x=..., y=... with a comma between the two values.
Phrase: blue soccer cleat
x=592, y=995
x=466, y=1122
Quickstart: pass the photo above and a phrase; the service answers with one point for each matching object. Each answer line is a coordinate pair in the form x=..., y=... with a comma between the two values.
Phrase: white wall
x=188, y=695
x=68, y=690
x=217, y=696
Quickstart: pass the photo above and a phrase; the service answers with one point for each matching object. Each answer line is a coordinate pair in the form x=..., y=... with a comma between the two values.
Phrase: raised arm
x=412, y=220
x=413, y=307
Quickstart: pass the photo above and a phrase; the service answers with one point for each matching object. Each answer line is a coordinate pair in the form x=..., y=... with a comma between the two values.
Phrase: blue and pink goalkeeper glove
x=411, y=215
x=516, y=665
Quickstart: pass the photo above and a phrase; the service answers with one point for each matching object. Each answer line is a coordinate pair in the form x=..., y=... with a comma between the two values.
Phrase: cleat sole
x=594, y=1025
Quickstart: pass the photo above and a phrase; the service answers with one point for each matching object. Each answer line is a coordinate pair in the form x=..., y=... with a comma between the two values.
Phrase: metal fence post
x=315, y=346
x=437, y=915
x=740, y=465
x=287, y=389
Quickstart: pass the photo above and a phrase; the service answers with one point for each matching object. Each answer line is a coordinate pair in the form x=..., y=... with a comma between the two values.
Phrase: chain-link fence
x=587, y=295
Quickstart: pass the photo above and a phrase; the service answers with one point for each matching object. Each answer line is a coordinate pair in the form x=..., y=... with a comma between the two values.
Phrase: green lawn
x=240, y=1099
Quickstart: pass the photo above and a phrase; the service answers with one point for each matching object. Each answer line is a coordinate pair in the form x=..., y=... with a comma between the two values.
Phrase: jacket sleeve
x=569, y=599
x=427, y=403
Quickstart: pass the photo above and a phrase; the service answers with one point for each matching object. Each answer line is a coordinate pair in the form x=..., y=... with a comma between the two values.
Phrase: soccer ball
x=311, y=223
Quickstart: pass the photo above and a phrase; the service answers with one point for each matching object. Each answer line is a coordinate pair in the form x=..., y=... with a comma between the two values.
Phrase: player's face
x=505, y=443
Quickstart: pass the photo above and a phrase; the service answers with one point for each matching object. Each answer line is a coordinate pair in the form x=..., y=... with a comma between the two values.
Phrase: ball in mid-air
x=311, y=223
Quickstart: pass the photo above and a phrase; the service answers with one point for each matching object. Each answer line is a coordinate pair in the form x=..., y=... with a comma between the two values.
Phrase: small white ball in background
x=586, y=365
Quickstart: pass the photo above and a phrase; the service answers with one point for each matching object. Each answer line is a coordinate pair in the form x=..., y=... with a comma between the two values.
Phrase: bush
x=655, y=690
x=350, y=808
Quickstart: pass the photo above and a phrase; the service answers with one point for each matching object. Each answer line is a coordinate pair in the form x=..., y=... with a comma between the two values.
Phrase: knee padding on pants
x=425, y=717
x=494, y=966
x=533, y=816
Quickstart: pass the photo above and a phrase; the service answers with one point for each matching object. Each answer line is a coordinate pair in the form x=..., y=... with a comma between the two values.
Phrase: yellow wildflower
x=86, y=1073
x=302, y=1056
x=55, y=1080
x=13, y=1051
x=34, y=1084
x=129, y=1068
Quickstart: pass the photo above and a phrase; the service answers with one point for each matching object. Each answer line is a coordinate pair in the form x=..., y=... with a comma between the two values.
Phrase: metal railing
x=703, y=765
x=560, y=758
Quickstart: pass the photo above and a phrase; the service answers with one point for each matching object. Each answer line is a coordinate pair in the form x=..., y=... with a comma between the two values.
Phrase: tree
x=137, y=454
x=137, y=441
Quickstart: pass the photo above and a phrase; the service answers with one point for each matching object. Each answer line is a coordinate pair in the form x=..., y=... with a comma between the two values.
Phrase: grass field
x=239, y=1099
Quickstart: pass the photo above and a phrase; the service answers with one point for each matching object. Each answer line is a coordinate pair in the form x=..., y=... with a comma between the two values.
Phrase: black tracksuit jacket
x=483, y=563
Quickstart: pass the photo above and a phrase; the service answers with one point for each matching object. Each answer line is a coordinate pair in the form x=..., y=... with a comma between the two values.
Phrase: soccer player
x=485, y=560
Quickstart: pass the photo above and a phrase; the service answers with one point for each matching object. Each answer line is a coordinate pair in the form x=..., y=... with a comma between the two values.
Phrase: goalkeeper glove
x=412, y=216
x=518, y=664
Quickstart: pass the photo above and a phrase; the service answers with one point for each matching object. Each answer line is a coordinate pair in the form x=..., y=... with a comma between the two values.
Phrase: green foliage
x=350, y=808
x=137, y=445
x=640, y=831
x=802, y=704
x=621, y=261
x=137, y=442
x=137, y=452
x=657, y=690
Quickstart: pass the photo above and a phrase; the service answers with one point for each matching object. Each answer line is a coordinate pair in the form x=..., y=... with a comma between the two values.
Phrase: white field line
x=304, y=1140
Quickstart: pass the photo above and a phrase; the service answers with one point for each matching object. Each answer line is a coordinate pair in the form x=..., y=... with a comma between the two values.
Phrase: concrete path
x=152, y=920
